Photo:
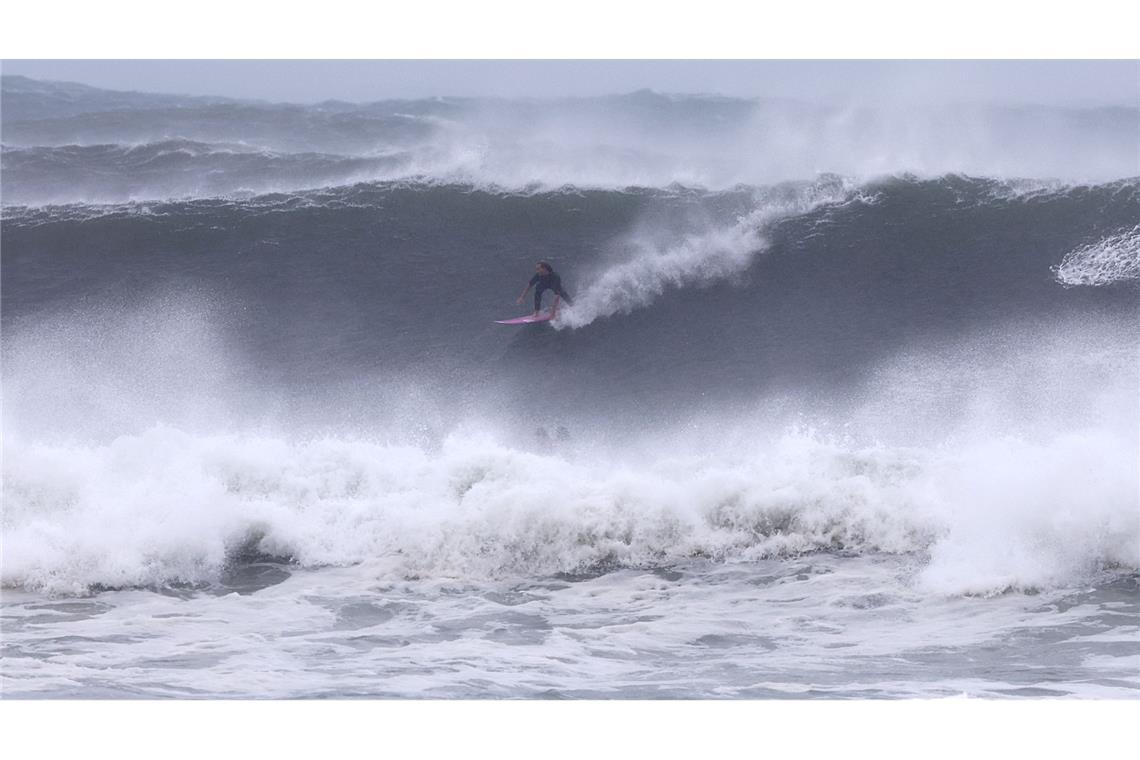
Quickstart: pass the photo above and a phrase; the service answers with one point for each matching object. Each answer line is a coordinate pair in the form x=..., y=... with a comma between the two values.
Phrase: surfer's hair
x=546, y=265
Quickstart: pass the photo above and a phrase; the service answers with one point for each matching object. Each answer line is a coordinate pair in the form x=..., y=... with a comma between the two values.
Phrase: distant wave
x=176, y=169
x=144, y=150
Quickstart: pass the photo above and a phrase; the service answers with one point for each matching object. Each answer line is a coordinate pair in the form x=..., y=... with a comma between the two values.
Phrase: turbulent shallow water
x=871, y=432
x=818, y=626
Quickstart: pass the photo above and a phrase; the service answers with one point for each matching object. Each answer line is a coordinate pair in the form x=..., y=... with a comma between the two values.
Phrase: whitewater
x=844, y=406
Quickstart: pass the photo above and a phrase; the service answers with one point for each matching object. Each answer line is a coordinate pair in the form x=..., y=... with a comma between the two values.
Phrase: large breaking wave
x=260, y=330
x=165, y=507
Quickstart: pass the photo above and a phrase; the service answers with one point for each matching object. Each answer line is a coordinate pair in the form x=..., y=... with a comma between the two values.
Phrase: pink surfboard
x=545, y=316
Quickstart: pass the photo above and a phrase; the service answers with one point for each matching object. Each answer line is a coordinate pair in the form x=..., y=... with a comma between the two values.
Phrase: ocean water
x=845, y=405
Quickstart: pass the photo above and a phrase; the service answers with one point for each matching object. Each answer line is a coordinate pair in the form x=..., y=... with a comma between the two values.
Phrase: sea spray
x=652, y=267
x=167, y=507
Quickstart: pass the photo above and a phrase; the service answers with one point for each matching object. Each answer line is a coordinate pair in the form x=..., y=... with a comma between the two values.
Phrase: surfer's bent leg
x=538, y=298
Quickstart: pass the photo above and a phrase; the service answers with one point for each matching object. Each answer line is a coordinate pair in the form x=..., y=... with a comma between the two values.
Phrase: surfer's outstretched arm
x=525, y=291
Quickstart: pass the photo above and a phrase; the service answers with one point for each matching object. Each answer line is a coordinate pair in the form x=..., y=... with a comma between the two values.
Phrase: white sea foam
x=167, y=506
x=1115, y=258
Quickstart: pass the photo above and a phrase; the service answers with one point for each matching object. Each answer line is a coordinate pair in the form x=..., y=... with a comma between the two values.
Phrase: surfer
x=545, y=278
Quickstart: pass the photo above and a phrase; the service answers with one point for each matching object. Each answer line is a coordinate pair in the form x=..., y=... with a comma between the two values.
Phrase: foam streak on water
x=818, y=626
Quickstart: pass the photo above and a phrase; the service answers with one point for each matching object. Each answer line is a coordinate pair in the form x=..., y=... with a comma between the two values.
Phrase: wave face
x=252, y=330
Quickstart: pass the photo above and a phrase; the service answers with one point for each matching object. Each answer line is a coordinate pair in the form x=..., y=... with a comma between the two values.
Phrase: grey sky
x=1056, y=82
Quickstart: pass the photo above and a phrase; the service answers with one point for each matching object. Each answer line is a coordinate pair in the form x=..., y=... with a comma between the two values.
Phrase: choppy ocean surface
x=845, y=406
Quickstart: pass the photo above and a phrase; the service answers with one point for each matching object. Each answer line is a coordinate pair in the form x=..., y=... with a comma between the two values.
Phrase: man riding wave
x=545, y=278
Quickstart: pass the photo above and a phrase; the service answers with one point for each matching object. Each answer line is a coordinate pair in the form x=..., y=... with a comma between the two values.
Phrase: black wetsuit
x=545, y=282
